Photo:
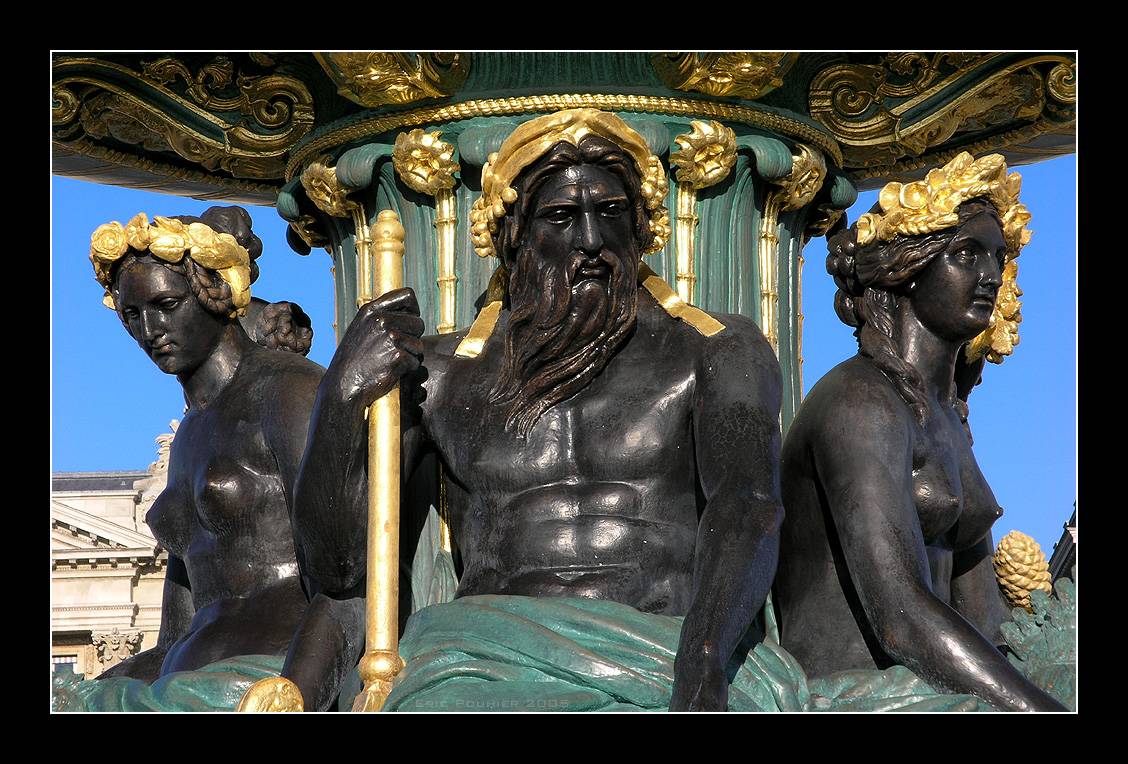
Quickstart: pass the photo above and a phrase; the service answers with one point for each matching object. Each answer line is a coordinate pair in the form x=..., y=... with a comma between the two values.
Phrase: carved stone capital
x=114, y=646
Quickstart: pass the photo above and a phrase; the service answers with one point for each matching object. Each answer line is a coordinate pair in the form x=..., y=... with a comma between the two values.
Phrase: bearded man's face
x=573, y=293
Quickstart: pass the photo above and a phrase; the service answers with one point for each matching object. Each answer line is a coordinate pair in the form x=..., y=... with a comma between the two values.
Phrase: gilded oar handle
x=381, y=661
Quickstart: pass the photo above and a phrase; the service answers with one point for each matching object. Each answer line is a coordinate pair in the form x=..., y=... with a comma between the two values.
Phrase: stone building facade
x=107, y=570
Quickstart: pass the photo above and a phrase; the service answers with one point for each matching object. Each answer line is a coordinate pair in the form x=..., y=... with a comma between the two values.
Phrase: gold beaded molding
x=608, y=102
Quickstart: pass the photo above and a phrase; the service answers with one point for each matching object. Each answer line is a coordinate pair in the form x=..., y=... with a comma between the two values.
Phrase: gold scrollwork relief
x=1062, y=83
x=279, y=108
x=64, y=105
x=867, y=106
x=740, y=74
x=380, y=79
x=109, y=115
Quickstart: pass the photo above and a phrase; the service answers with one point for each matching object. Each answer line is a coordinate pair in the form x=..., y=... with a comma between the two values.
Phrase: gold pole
x=769, y=276
x=381, y=661
x=361, y=242
x=799, y=291
x=686, y=255
x=446, y=218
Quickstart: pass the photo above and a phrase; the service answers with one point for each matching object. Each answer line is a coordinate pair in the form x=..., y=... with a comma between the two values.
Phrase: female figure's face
x=165, y=318
x=955, y=293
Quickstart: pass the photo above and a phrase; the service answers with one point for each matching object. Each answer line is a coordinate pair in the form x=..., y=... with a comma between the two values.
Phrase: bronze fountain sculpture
x=605, y=459
x=886, y=551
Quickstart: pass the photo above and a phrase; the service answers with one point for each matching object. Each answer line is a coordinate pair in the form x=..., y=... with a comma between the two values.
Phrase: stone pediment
x=73, y=530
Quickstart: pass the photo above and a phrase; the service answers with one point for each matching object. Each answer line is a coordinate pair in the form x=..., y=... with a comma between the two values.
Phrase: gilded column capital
x=424, y=162
x=705, y=155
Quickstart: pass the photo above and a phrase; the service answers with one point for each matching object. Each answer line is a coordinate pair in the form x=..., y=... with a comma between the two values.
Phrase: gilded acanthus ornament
x=321, y=185
x=808, y=171
x=706, y=154
x=424, y=162
x=170, y=240
x=741, y=74
x=1021, y=568
x=705, y=157
x=305, y=228
x=380, y=79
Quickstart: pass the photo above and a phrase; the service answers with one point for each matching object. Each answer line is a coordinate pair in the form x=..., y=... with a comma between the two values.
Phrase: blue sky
x=109, y=402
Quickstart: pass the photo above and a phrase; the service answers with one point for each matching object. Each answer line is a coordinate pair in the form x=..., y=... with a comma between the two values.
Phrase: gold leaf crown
x=933, y=204
x=170, y=240
x=531, y=140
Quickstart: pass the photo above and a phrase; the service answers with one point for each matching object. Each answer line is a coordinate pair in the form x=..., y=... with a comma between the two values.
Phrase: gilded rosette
x=533, y=139
x=170, y=240
x=324, y=190
x=1020, y=569
x=706, y=154
x=932, y=204
x=424, y=162
x=107, y=244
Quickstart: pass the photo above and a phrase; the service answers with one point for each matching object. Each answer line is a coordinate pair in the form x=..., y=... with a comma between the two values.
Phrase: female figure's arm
x=975, y=592
x=330, y=637
x=864, y=458
x=176, y=615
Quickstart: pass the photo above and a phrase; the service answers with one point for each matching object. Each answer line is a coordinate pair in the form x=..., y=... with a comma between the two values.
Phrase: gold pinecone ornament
x=1021, y=568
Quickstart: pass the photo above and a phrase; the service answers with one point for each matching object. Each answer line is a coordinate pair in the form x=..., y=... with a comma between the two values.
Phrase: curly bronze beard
x=560, y=338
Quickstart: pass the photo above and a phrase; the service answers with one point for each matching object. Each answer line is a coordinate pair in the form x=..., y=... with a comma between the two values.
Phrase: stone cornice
x=114, y=533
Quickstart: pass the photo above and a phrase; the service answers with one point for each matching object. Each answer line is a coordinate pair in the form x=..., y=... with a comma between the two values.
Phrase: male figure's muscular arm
x=330, y=503
x=737, y=442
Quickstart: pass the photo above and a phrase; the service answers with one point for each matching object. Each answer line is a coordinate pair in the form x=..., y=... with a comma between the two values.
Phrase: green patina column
x=748, y=183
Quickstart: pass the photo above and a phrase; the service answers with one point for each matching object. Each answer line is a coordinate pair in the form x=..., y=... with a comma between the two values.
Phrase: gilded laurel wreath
x=171, y=240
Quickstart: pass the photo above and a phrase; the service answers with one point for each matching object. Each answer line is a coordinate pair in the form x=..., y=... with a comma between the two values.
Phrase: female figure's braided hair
x=280, y=325
x=871, y=279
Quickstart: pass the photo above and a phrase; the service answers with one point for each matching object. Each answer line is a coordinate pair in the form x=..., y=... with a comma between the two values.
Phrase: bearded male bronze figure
x=592, y=446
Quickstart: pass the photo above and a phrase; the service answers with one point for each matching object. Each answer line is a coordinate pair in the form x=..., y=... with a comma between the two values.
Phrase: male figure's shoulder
x=740, y=348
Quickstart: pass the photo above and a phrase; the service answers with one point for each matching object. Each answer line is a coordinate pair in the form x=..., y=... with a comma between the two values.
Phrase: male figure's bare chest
x=632, y=423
